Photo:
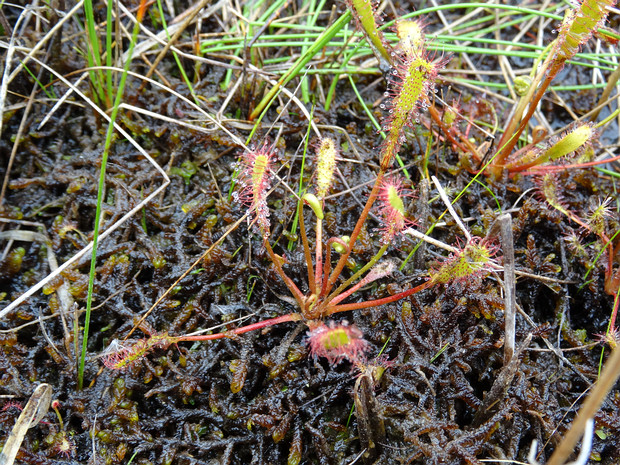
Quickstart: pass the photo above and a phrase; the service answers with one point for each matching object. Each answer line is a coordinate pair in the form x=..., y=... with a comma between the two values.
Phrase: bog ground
x=419, y=378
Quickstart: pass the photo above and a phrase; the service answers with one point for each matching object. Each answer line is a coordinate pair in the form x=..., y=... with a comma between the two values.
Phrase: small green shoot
x=300, y=190
x=101, y=190
x=303, y=60
x=438, y=354
x=187, y=81
x=250, y=286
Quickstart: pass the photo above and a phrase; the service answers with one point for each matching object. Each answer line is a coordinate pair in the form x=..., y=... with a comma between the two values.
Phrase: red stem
x=550, y=169
x=614, y=314
x=243, y=329
x=468, y=147
x=504, y=151
x=328, y=256
x=377, y=302
x=307, y=252
x=612, y=281
x=340, y=297
x=356, y=231
x=292, y=287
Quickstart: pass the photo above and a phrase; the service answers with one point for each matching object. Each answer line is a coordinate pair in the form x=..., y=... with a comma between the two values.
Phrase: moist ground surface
x=261, y=397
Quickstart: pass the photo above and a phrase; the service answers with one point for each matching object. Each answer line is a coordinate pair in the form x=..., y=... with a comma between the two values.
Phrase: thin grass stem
x=93, y=54
x=301, y=62
x=108, y=48
x=100, y=191
x=300, y=189
x=186, y=79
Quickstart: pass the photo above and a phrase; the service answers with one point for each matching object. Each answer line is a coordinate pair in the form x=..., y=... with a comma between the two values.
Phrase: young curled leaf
x=314, y=203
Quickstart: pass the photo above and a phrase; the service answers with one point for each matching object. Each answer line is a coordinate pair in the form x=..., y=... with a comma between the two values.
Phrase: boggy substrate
x=260, y=398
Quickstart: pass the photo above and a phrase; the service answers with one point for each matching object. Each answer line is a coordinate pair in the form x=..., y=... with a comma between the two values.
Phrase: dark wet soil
x=260, y=398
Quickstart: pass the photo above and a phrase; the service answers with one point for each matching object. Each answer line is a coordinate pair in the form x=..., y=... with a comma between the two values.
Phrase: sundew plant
x=309, y=232
x=411, y=87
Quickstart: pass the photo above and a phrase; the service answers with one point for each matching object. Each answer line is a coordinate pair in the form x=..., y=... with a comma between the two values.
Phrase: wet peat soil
x=260, y=398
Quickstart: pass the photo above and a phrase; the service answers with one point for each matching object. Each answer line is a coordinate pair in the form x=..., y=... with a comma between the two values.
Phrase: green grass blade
x=102, y=172
x=108, y=48
x=93, y=54
x=186, y=79
x=300, y=190
x=302, y=61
